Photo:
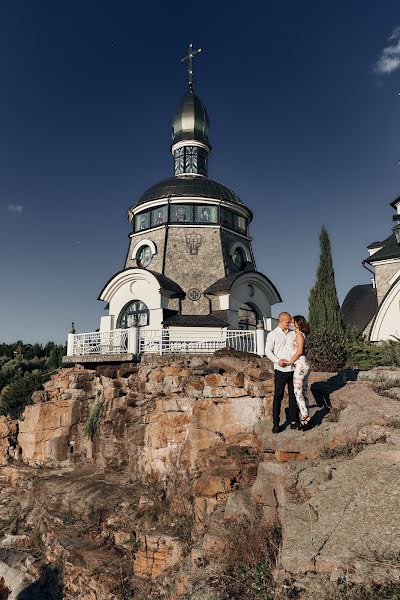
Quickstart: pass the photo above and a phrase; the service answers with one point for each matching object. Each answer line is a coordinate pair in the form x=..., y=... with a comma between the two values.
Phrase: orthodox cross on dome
x=189, y=58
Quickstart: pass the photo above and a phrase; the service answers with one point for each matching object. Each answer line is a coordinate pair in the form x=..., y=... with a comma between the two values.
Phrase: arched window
x=131, y=311
x=248, y=316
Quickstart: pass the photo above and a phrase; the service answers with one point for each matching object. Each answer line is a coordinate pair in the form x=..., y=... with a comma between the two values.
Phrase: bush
x=327, y=351
x=18, y=394
x=365, y=355
x=93, y=420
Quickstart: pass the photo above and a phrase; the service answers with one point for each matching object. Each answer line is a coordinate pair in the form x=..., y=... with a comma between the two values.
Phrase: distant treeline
x=23, y=369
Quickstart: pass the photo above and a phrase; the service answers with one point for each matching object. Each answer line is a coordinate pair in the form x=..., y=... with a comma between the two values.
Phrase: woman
x=301, y=366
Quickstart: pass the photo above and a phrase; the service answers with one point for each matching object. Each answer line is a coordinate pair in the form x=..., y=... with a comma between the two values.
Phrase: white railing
x=100, y=342
x=181, y=342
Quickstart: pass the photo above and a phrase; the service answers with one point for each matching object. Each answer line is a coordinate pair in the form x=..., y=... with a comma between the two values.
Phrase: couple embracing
x=287, y=348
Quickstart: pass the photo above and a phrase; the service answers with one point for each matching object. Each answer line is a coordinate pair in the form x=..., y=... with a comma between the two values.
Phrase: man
x=278, y=350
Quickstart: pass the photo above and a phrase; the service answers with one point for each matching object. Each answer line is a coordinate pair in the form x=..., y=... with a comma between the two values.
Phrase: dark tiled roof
x=194, y=321
x=168, y=284
x=225, y=283
x=390, y=249
x=359, y=306
x=189, y=185
x=375, y=245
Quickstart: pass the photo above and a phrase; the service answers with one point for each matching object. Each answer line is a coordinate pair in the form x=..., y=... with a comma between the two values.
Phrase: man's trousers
x=283, y=379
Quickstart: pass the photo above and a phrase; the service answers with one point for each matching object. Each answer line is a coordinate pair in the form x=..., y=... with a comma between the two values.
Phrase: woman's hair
x=302, y=324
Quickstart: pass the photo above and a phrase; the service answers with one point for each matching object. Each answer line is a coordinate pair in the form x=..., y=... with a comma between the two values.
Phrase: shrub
x=250, y=555
x=327, y=351
x=18, y=394
x=93, y=420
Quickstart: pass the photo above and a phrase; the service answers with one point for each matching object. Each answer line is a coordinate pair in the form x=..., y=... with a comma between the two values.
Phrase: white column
x=260, y=339
x=106, y=323
x=70, y=344
x=133, y=340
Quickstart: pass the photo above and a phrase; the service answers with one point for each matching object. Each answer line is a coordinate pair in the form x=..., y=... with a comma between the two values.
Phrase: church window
x=135, y=310
x=206, y=214
x=248, y=316
x=179, y=156
x=202, y=162
x=144, y=256
x=191, y=159
x=142, y=221
x=159, y=216
x=226, y=218
x=181, y=213
x=240, y=224
x=239, y=258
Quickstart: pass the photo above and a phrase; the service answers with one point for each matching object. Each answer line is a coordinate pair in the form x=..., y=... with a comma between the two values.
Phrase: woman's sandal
x=304, y=423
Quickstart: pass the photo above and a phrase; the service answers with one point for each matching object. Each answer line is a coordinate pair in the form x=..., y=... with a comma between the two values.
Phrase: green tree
x=18, y=394
x=327, y=339
x=323, y=308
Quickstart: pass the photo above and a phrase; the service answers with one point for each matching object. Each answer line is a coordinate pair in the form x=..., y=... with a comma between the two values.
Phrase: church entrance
x=248, y=316
x=133, y=311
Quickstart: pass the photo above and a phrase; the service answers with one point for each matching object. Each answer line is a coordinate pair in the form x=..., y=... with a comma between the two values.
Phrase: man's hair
x=284, y=314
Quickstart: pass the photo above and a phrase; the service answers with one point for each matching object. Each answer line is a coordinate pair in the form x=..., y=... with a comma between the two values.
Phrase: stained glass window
x=135, y=310
x=142, y=221
x=206, y=214
x=144, y=256
x=179, y=157
x=158, y=216
x=181, y=213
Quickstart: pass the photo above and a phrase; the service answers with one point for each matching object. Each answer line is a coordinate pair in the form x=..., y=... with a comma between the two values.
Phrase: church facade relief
x=193, y=242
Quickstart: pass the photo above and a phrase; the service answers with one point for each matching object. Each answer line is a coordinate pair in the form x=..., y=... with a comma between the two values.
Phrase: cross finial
x=189, y=58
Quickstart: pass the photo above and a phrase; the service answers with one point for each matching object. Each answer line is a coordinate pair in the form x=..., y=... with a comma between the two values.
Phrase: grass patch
x=93, y=420
x=342, y=451
x=245, y=568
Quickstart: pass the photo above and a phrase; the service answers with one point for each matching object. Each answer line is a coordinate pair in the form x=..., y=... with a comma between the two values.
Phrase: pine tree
x=327, y=340
x=324, y=309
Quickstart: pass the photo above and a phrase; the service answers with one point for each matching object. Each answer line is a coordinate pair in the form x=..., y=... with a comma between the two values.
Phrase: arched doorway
x=134, y=310
x=248, y=316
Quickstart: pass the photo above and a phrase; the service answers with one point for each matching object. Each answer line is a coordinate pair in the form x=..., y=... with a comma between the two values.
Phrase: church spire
x=190, y=144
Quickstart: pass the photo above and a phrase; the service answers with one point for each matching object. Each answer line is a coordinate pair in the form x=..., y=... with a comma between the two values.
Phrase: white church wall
x=387, y=321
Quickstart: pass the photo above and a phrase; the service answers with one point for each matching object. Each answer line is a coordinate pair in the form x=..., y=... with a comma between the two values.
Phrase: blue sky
x=304, y=108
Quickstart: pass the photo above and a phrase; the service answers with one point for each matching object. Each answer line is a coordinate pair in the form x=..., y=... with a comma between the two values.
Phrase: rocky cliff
x=164, y=480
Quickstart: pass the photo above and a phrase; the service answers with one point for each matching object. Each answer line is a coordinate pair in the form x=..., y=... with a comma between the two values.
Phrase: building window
x=159, y=216
x=144, y=256
x=142, y=221
x=206, y=214
x=239, y=258
x=248, y=316
x=233, y=221
x=135, y=310
x=179, y=156
x=181, y=213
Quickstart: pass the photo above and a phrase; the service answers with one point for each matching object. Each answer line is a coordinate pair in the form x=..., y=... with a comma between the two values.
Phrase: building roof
x=390, y=249
x=165, y=282
x=225, y=283
x=375, y=245
x=189, y=185
x=395, y=202
x=194, y=321
x=359, y=306
x=191, y=120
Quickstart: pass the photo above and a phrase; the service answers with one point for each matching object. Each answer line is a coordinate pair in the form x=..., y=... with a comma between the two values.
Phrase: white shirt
x=279, y=345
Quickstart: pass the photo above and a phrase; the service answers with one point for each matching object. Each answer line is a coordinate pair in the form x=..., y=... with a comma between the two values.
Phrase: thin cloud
x=389, y=60
x=15, y=208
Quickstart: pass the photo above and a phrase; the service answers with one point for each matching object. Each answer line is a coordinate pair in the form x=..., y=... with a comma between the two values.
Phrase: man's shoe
x=275, y=429
x=295, y=425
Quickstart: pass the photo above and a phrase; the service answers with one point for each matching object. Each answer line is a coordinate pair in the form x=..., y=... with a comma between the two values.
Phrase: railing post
x=133, y=341
x=260, y=339
x=70, y=344
x=70, y=340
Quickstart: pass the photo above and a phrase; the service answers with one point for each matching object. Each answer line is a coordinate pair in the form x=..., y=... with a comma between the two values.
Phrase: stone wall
x=383, y=274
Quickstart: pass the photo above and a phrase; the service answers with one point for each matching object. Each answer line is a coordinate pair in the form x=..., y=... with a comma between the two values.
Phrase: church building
x=374, y=309
x=190, y=267
x=190, y=263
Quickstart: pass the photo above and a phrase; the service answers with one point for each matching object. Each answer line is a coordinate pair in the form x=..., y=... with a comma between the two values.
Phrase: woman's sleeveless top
x=305, y=347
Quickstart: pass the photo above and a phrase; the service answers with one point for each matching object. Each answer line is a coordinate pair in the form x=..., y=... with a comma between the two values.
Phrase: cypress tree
x=323, y=308
x=327, y=340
